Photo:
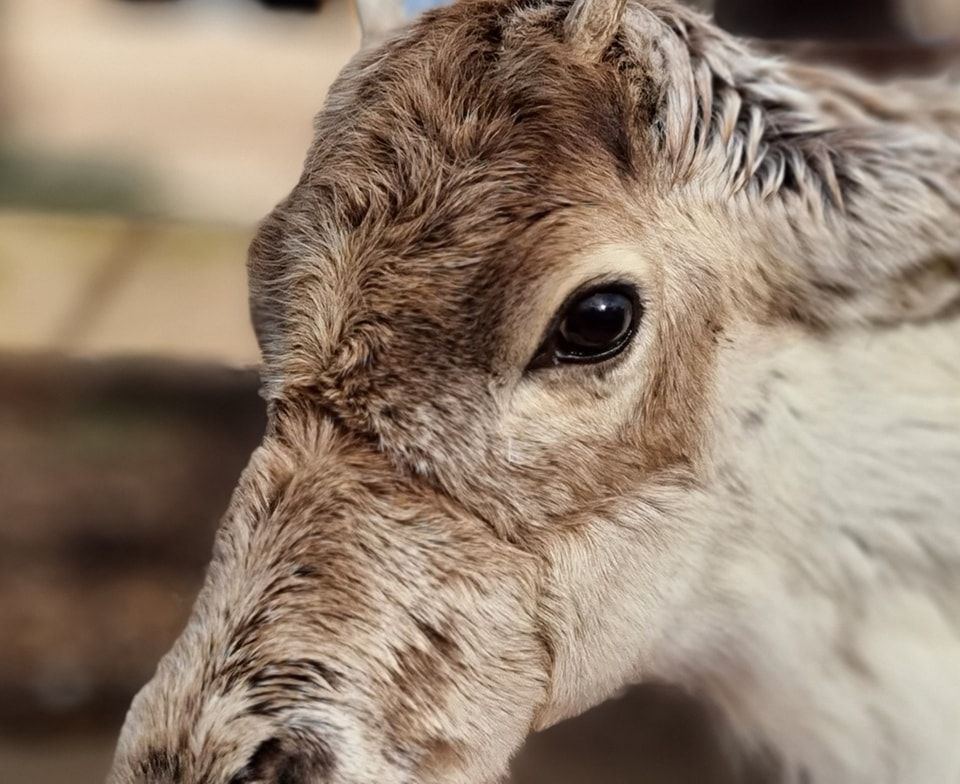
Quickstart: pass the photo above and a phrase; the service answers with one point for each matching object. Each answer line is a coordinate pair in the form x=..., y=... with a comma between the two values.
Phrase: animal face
x=494, y=314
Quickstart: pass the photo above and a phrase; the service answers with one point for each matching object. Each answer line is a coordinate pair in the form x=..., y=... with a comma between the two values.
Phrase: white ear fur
x=591, y=25
x=379, y=18
x=884, y=226
x=852, y=185
x=896, y=237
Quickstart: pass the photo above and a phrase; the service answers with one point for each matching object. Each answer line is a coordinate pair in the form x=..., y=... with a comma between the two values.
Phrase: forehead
x=476, y=93
x=444, y=166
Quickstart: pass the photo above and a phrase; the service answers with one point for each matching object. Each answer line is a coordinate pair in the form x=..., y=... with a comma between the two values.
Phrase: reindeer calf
x=598, y=348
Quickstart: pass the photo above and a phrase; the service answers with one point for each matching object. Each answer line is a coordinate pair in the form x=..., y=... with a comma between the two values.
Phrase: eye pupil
x=595, y=322
x=596, y=326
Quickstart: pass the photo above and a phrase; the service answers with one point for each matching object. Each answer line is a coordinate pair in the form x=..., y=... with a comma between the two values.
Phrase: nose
x=280, y=761
x=354, y=626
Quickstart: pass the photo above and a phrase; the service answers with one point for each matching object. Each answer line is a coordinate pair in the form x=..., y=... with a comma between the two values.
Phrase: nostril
x=280, y=762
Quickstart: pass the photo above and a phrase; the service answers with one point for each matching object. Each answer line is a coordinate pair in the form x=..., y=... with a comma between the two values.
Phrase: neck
x=834, y=562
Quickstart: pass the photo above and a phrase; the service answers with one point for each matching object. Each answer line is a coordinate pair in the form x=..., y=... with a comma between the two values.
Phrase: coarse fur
x=438, y=549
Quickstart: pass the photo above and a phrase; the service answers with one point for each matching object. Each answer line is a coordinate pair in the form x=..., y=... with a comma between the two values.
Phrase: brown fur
x=432, y=540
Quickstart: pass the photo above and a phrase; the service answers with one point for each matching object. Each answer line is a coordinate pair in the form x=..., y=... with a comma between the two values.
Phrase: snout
x=355, y=626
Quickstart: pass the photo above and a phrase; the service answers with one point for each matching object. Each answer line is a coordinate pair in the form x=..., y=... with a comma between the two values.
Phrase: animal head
x=529, y=243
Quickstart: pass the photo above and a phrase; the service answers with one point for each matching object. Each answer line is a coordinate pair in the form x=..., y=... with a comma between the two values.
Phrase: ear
x=291, y=761
x=848, y=190
x=876, y=229
x=380, y=18
x=591, y=25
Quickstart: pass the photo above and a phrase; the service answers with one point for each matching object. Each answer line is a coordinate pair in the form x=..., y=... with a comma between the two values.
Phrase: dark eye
x=595, y=325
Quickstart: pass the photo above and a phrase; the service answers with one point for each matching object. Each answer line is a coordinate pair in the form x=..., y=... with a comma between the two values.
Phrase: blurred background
x=139, y=144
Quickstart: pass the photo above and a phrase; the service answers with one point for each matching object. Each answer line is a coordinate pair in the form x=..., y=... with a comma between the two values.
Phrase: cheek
x=560, y=449
x=558, y=411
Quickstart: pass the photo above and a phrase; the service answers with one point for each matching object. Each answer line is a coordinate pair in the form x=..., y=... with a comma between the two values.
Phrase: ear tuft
x=591, y=25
